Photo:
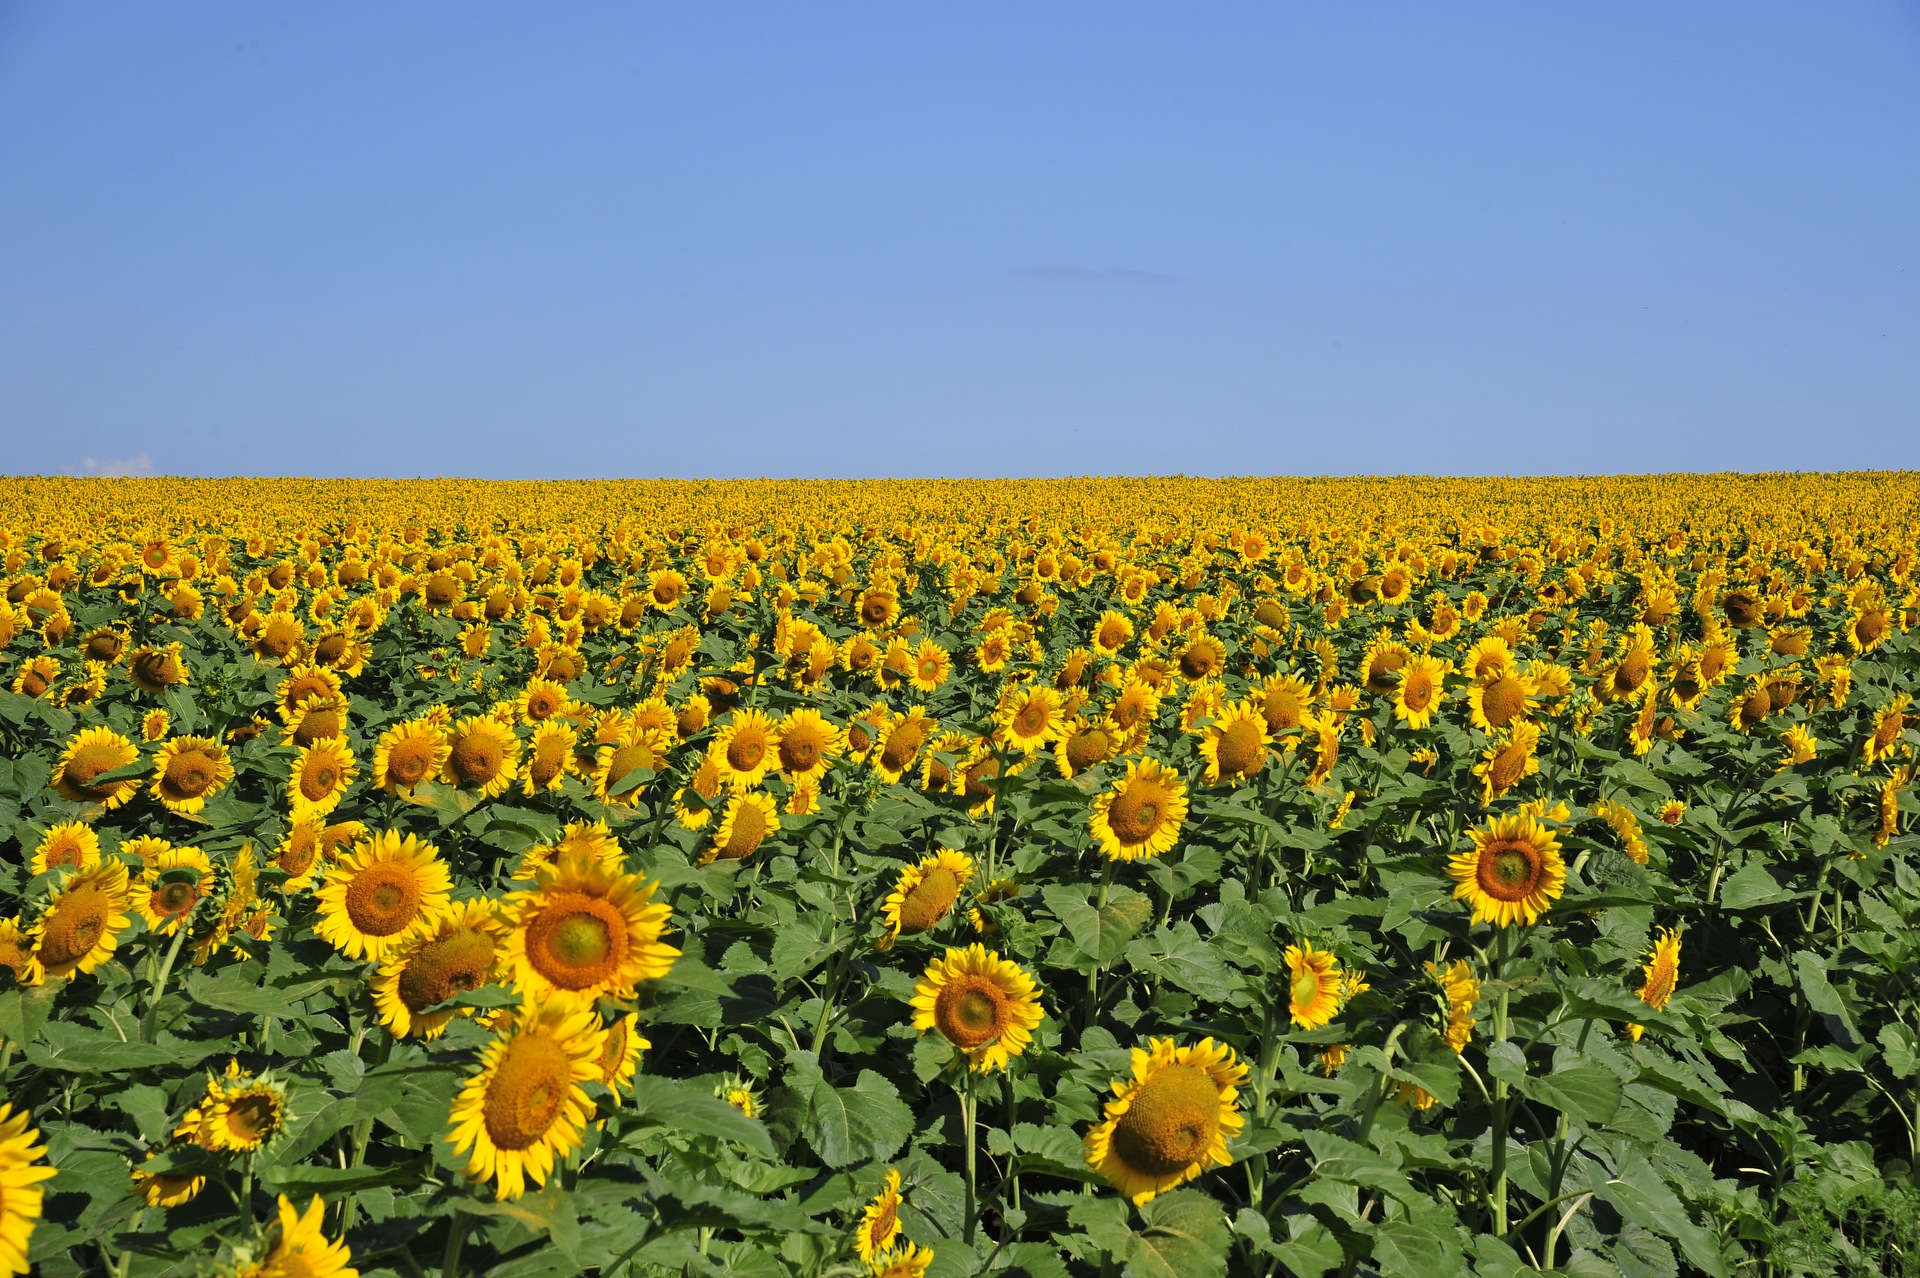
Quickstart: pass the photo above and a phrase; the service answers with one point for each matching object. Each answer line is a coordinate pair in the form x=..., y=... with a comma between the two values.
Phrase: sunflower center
x=1128, y=710
x=189, y=775
x=440, y=969
x=1281, y=711
x=64, y=852
x=526, y=1092
x=1891, y=725
x=302, y=847
x=1031, y=720
x=477, y=759
x=625, y=760
x=971, y=1013
x=1171, y=1123
x=1135, y=812
x=1198, y=662
x=88, y=762
x=745, y=751
x=1086, y=748
x=929, y=900
x=318, y=725
x=73, y=928
x=318, y=780
x=252, y=1117
x=1239, y=747
x=1385, y=666
x=1417, y=691
x=798, y=753
x=1755, y=708
x=1271, y=615
x=1509, y=871
x=409, y=760
x=383, y=900
x=174, y=898
x=748, y=832
x=1633, y=671
x=1508, y=767
x=577, y=942
x=902, y=746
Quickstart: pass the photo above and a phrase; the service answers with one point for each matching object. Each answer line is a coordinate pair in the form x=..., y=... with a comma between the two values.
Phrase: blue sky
x=981, y=239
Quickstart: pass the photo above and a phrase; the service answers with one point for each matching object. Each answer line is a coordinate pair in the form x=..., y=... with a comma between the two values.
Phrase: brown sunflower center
x=858, y=738
x=174, y=898
x=409, y=760
x=1171, y=1123
x=929, y=900
x=549, y=760
x=745, y=751
x=1199, y=661
x=1128, y=711
x=1087, y=747
x=1755, y=707
x=902, y=745
x=1510, y=869
x=1239, y=748
x=1031, y=721
x=749, y=831
x=252, y=1117
x=73, y=928
x=1135, y=812
x=64, y=852
x=1282, y=710
x=625, y=760
x=383, y=899
x=528, y=1088
x=1508, y=767
x=577, y=941
x=477, y=758
x=89, y=761
x=440, y=969
x=1112, y=634
x=1270, y=614
x=318, y=778
x=303, y=845
x=1888, y=730
x=799, y=751
x=970, y=1012
x=189, y=774
x=1383, y=668
x=317, y=725
x=1633, y=670
x=1416, y=690
x=977, y=774
x=880, y=1230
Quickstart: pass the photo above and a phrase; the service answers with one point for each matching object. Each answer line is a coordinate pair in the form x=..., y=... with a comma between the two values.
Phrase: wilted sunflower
x=1316, y=986
x=880, y=1222
x=526, y=1106
x=1171, y=1121
x=1462, y=992
x=1142, y=814
x=72, y=844
x=620, y=1055
x=1660, y=976
x=482, y=754
x=454, y=950
x=89, y=755
x=1513, y=873
x=81, y=926
x=407, y=754
x=375, y=896
x=587, y=929
x=805, y=745
x=984, y=1005
x=22, y=1168
x=748, y=820
x=924, y=894
x=188, y=771
x=1235, y=744
x=239, y=1113
x=172, y=884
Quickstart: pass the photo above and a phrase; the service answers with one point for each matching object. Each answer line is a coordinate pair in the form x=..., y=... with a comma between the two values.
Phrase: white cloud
x=116, y=467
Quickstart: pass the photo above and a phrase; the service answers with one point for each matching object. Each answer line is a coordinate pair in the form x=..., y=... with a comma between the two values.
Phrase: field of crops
x=1157, y=877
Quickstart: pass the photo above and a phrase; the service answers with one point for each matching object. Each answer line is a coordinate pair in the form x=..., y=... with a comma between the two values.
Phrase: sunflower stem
x=1498, y=1194
x=362, y=1134
x=964, y=1090
x=1006, y=1082
x=150, y=1023
x=1093, y=976
x=457, y=1228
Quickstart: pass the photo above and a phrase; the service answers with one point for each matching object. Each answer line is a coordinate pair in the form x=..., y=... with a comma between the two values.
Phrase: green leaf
x=1100, y=933
x=1423, y=1246
x=76, y=1049
x=1810, y=971
x=1902, y=1050
x=1584, y=1091
x=1641, y=1196
x=684, y=1107
x=848, y=1125
x=1750, y=888
x=24, y=1009
x=1183, y=1235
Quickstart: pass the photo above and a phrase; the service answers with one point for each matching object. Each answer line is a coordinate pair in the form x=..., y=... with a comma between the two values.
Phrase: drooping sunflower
x=901, y=743
x=1142, y=814
x=805, y=745
x=320, y=777
x=1316, y=986
x=620, y=1056
x=1235, y=745
x=1513, y=873
x=1029, y=717
x=1888, y=723
x=1509, y=760
x=454, y=950
x=744, y=748
x=1660, y=976
x=22, y=1169
x=748, y=820
x=880, y=1222
x=89, y=755
x=924, y=894
x=17, y=954
x=81, y=926
x=73, y=844
x=239, y=1113
x=188, y=771
x=1171, y=1121
x=302, y=1250
x=407, y=754
x=1625, y=826
x=625, y=768
x=376, y=895
x=1462, y=992
x=525, y=1107
x=908, y=1260
x=587, y=929
x=482, y=754
x=550, y=758
x=172, y=884
x=1082, y=744
x=984, y=1005
x=166, y=1189
x=1419, y=691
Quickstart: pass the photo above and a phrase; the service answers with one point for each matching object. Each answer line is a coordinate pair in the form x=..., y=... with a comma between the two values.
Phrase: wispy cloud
x=1088, y=275
x=116, y=467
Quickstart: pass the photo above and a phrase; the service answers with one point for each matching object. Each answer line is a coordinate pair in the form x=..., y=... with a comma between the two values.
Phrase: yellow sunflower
x=375, y=896
x=587, y=929
x=748, y=820
x=166, y=1189
x=72, y=844
x=1661, y=975
x=623, y=769
x=1496, y=701
x=901, y=743
x=1626, y=826
x=924, y=895
x=931, y=666
x=1142, y=814
x=1171, y=1121
x=1284, y=702
x=540, y=701
x=1316, y=986
x=90, y=755
x=17, y=954
x=302, y=1250
x=1082, y=744
x=549, y=757
x=620, y=1056
x=456, y=949
x=1888, y=724
x=908, y=1260
x=1508, y=761
x=22, y=1168
x=1462, y=992
x=320, y=776
x=706, y=785
x=979, y=1002
x=1419, y=690
x=1029, y=717
x=239, y=1113
x=1513, y=873
x=36, y=676
x=157, y=669
x=805, y=745
x=482, y=754
x=1235, y=745
x=172, y=884
x=409, y=753
x=188, y=771
x=526, y=1107
x=307, y=846
x=81, y=926
x=744, y=748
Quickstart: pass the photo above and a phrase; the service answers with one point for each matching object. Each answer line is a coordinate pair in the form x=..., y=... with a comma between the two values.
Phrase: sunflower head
x=588, y=929
x=925, y=894
x=984, y=1005
x=1512, y=874
x=1171, y=1121
x=377, y=895
x=1142, y=814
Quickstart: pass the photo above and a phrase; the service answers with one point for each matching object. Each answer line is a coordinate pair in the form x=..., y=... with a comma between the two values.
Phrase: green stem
x=965, y=1091
x=1093, y=977
x=150, y=1023
x=1006, y=1080
x=1501, y=1109
x=829, y=989
x=456, y=1240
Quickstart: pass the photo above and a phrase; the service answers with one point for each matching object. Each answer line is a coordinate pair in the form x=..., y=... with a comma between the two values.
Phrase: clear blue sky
x=963, y=239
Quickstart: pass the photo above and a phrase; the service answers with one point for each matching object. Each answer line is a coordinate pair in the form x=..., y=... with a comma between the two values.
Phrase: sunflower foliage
x=1168, y=877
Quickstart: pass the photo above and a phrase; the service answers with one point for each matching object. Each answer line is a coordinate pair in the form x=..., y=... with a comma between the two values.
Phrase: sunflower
x=1513, y=873
x=316, y=719
x=1029, y=717
x=736, y=1091
x=302, y=1249
x=1316, y=986
x=1462, y=992
x=979, y=1002
x=156, y=669
x=1134, y=708
x=1235, y=744
x=620, y=1057
x=623, y=769
x=172, y=884
x=1508, y=761
x=166, y=1189
x=188, y=771
x=375, y=896
x=89, y=755
x=1382, y=662
x=749, y=819
x=1418, y=690
x=924, y=894
x=994, y=651
x=587, y=929
x=1801, y=747
x=319, y=779
x=900, y=744
x=540, y=701
x=805, y=745
x=1625, y=825
x=880, y=1222
x=482, y=754
x=908, y=1260
x=526, y=1107
x=1749, y=709
x=456, y=949
x=744, y=748
x=1082, y=744
x=72, y=844
x=706, y=785
x=407, y=754
x=1888, y=724
x=1171, y=1121
x=1142, y=814
x=81, y=926
x=36, y=676
x=1284, y=701
x=1660, y=975
x=931, y=666
x=21, y=1170
x=239, y=1113
x=17, y=953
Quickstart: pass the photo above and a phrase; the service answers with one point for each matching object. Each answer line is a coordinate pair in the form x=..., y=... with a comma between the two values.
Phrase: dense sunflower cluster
x=859, y=873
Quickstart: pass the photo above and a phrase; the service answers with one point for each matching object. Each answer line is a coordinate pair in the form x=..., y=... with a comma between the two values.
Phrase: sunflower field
x=1159, y=877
